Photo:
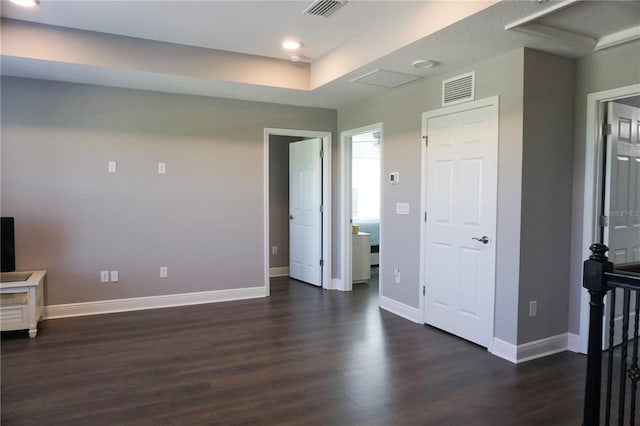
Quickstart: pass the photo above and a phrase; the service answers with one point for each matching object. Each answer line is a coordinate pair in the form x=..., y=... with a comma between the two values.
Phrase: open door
x=460, y=230
x=621, y=210
x=305, y=211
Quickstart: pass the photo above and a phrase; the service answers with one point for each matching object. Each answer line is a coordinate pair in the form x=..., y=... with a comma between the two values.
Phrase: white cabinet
x=360, y=257
x=21, y=300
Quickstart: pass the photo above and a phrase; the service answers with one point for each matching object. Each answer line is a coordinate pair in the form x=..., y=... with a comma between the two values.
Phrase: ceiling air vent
x=385, y=78
x=324, y=8
x=459, y=89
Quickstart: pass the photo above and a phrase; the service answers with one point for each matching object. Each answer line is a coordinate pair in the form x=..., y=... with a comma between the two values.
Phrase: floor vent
x=324, y=8
x=459, y=89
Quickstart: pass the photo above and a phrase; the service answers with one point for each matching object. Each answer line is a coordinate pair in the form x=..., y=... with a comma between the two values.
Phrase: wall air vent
x=459, y=89
x=324, y=8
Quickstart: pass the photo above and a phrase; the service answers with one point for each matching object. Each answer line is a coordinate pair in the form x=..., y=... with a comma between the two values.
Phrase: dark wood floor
x=303, y=356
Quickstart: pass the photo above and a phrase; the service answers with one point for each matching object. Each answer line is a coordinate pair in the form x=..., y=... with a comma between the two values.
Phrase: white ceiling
x=360, y=37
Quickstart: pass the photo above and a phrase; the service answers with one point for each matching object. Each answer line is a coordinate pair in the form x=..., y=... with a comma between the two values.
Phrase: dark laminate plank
x=301, y=356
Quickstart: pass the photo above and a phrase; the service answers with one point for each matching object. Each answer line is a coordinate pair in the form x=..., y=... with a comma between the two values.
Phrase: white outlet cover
x=114, y=276
x=162, y=168
x=111, y=166
x=164, y=272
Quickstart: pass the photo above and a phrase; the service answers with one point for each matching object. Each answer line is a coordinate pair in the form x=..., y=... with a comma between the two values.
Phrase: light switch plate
x=402, y=208
x=114, y=276
x=111, y=166
x=162, y=168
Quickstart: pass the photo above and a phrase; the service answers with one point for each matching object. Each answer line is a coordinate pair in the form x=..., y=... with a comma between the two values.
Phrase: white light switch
x=164, y=272
x=162, y=168
x=111, y=166
x=114, y=276
x=402, y=208
x=104, y=276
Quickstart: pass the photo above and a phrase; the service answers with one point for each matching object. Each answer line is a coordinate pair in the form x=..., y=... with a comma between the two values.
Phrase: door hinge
x=322, y=153
x=321, y=262
x=321, y=208
x=426, y=140
x=425, y=216
x=604, y=221
x=606, y=129
x=424, y=290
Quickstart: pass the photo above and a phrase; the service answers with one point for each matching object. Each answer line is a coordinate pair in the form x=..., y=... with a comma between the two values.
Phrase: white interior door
x=622, y=197
x=305, y=216
x=461, y=223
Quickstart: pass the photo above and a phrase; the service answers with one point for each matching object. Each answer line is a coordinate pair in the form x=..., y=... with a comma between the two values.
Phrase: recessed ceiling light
x=26, y=3
x=291, y=44
x=424, y=63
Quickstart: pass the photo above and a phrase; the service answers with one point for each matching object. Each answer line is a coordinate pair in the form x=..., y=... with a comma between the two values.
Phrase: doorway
x=361, y=188
x=595, y=179
x=276, y=202
x=621, y=198
x=458, y=254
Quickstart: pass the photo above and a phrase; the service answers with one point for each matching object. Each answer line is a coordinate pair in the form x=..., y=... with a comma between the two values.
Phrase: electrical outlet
x=164, y=272
x=274, y=250
x=533, y=308
x=114, y=276
x=162, y=168
x=396, y=274
x=111, y=167
x=104, y=276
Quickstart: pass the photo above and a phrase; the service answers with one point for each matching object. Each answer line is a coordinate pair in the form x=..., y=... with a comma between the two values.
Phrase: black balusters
x=599, y=279
x=593, y=281
x=634, y=372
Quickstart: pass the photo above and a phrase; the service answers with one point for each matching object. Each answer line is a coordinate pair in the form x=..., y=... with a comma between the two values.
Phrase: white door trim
x=345, y=197
x=593, y=163
x=494, y=102
x=326, y=200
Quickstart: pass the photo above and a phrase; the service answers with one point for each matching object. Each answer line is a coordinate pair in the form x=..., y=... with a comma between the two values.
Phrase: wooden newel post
x=593, y=281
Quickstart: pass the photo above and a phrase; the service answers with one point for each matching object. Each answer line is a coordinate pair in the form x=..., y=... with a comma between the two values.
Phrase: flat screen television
x=8, y=253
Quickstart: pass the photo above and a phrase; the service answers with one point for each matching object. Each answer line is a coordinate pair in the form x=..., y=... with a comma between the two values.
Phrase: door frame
x=345, y=283
x=593, y=186
x=492, y=102
x=326, y=200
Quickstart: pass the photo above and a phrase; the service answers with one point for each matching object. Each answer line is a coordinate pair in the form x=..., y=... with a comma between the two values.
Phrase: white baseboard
x=282, y=271
x=151, y=302
x=573, y=343
x=531, y=350
x=337, y=284
x=400, y=309
x=504, y=350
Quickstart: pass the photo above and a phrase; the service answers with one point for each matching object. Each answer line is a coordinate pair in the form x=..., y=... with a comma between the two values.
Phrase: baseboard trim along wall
x=151, y=302
x=337, y=284
x=400, y=309
x=281, y=271
x=531, y=350
x=573, y=343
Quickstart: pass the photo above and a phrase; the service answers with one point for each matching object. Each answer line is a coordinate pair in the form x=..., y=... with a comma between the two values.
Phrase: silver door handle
x=484, y=239
x=290, y=217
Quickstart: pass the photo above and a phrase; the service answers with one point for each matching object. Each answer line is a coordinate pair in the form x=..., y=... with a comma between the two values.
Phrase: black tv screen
x=8, y=253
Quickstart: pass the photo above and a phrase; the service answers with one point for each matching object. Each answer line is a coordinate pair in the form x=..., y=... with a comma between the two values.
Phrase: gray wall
x=546, y=194
x=400, y=112
x=203, y=219
x=604, y=70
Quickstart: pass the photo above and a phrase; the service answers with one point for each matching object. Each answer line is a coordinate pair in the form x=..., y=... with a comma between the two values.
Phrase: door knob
x=484, y=239
x=290, y=217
